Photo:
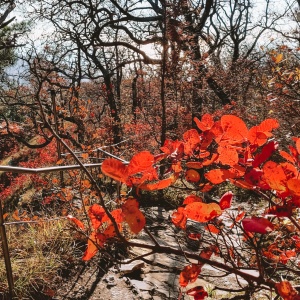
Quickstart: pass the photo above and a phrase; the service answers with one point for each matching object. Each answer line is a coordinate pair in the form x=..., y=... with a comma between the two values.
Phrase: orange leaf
x=286, y=290
x=189, y=274
x=116, y=214
x=218, y=175
x=278, y=58
x=212, y=228
x=115, y=169
x=225, y=201
x=192, y=140
x=162, y=184
x=206, y=122
x=234, y=129
x=178, y=218
x=133, y=216
x=190, y=199
x=85, y=184
x=76, y=221
x=293, y=185
x=192, y=175
x=287, y=156
x=92, y=248
x=202, y=212
x=274, y=176
x=140, y=162
x=228, y=155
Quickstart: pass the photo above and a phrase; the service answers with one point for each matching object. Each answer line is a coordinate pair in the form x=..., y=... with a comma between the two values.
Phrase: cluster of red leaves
x=103, y=227
x=222, y=150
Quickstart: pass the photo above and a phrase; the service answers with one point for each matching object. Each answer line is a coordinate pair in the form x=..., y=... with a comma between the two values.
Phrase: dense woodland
x=192, y=96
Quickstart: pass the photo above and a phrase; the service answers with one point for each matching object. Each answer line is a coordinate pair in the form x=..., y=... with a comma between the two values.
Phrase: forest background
x=144, y=83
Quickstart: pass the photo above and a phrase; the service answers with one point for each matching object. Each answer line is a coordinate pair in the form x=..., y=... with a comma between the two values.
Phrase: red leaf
x=116, y=214
x=190, y=199
x=212, y=228
x=206, y=122
x=266, y=152
x=189, y=274
x=140, y=162
x=173, y=148
x=225, y=201
x=257, y=224
x=218, y=175
x=280, y=211
x=192, y=140
x=240, y=216
x=115, y=169
x=297, y=140
x=258, y=135
x=162, y=184
x=197, y=292
x=96, y=213
x=234, y=129
x=202, y=212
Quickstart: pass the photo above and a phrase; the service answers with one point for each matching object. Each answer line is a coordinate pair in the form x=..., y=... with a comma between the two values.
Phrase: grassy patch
x=38, y=252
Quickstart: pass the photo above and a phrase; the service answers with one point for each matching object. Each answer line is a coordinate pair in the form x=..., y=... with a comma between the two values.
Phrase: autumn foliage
x=219, y=151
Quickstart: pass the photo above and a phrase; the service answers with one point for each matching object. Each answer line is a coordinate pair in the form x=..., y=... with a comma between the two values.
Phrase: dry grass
x=38, y=252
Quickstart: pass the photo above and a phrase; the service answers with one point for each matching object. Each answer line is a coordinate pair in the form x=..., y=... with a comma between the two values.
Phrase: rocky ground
x=153, y=277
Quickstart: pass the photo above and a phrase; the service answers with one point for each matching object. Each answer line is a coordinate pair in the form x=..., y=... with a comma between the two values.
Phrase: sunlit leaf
x=257, y=224
x=274, y=175
x=228, y=155
x=191, y=198
x=92, y=249
x=293, y=185
x=162, y=184
x=206, y=122
x=140, y=162
x=189, y=274
x=191, y=141
x=217, y=176
x=234, y=129
x=202, y=212
x=115, y=169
